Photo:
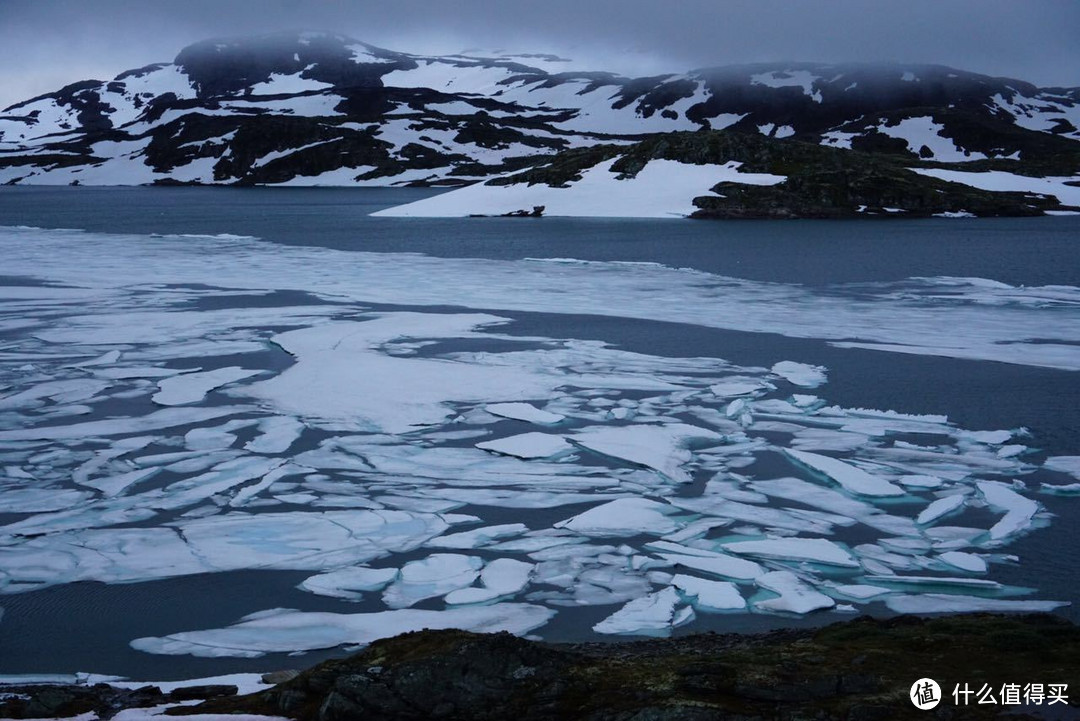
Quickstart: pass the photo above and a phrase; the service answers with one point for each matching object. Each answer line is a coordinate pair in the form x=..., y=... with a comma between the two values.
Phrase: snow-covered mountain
x=323, y=109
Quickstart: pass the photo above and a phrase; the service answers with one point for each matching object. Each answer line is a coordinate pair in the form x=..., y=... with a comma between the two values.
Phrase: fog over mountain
x=45, y=44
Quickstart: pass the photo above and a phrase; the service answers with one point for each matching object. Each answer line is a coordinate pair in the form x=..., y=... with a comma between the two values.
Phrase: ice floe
x=431, y=577
x=1065, y=464
x=624, y=517
x=664, y=448
x=819, y=550
x=709, y=596
x=940, y=507
x=349, y=583
x=500, y=578
x=189, y=388
x=1019, y=510
x=523, y=412
x=800, y=374
x=528, y=445
x=950, y=603
x=852, y=479
x=653, y=614
x=791, y=594
x=287, y=631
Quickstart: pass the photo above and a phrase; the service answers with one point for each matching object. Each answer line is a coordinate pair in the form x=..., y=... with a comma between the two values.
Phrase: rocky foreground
x=861, y=669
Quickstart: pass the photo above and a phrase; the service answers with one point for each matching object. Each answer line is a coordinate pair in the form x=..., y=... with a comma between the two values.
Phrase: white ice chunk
x=949, y=603
x=1018, y=510
x=664, y=448
x=436, y=575
x=501, y=577
x=523, y=412
x=165, y=418
x=40, y=500
x=245, y=494
x=649, y=615
x=739, y=386
x=936, y=581
x=307, y=541
x=718, y=564
x=964, y=561
x=278, y=433
x=941, y=507
x=1065, y=464
x=63, y=391
x=921, y=481
x=1065, y=489
x=819, y=550
x=343, y=379
x=993, y=438
x=528, y=445
x=192, y=387
x=349, y=582
x=221, y=478
x=794, y=596
x=710, y=596
x=115, y=485
x=624, y=517
x=861, y=591
x=478, y=536
x=800, y=374
x=852, y=479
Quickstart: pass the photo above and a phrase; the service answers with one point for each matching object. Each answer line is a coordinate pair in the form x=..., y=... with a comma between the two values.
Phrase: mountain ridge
x=325, y=109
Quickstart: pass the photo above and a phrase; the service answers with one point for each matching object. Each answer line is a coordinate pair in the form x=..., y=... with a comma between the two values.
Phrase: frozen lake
x=240, y=423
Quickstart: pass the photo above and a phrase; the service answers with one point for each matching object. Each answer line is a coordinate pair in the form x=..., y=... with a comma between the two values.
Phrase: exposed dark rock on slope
x=820, y=182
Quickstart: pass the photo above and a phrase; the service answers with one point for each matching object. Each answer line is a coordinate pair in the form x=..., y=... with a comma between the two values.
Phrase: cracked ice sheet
x=298, y=541
x=937, y=327
x=192, y=387
x=596, y=368
x=343, y=381
x=287, y=631
x=165, y=418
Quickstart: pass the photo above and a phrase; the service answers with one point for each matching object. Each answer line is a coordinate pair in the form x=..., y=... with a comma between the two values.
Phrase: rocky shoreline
x=859, y=669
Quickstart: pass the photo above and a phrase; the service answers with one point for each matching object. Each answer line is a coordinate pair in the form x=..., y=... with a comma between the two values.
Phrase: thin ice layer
x=287, y=631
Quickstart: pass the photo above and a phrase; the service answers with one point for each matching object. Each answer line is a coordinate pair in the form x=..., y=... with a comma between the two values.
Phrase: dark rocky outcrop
x=52, y=701
x=856, y=670
x=861, y=669
x=821, y=182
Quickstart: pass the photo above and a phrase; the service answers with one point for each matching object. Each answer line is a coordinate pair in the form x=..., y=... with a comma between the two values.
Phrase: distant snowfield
x=662, y=189
x=354, y=456
x=1000, y=181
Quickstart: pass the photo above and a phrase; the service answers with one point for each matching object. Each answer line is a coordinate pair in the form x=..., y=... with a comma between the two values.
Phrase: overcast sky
x=45, y=44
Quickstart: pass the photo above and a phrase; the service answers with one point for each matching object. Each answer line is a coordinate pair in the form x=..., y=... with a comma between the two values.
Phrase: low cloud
x=47, y=43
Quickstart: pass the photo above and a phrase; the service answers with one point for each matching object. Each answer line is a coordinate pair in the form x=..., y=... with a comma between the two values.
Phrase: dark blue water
x=86, y=626
x=1031, y=251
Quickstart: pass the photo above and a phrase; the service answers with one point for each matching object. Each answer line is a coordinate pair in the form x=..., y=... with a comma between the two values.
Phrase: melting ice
x=141, y=439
